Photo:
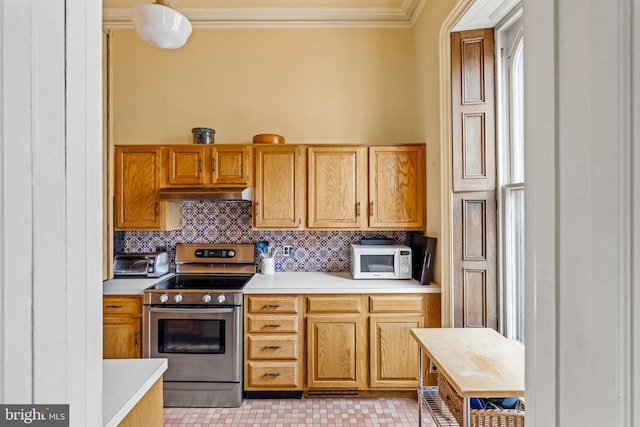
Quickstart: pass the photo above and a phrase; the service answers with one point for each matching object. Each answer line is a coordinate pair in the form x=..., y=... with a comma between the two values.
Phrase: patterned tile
x=396, y=412
x=228, y=222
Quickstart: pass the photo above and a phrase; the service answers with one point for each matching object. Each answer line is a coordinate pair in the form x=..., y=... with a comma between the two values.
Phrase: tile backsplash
x=230, y=222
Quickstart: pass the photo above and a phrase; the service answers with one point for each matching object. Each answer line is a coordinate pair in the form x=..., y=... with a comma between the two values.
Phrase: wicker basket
x=480, y=417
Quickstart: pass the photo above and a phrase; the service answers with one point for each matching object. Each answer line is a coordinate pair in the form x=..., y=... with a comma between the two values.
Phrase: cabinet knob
x=272, y=374
x=271, y=347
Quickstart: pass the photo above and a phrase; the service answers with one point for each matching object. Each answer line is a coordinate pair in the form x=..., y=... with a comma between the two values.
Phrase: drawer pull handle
x=271, y=347
x=272, y=374
x=115, y=306
x=272, y=306
x=273, y=325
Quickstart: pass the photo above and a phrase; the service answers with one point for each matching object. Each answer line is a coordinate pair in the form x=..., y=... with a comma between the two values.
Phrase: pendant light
x=160, y=25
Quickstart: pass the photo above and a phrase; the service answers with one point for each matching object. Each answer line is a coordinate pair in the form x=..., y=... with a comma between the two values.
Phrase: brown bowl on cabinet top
x=268, y=138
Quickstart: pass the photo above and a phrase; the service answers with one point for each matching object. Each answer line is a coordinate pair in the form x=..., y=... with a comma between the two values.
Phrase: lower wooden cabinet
x=335, y=351
x=122, y=326
x=351, y=342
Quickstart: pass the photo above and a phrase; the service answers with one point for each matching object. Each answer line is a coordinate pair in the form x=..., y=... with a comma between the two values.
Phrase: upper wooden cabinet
x=278, y=190
x=137, y=181
x=358, y=187
x=206, y=165
x=337, y=187
x=397, y=187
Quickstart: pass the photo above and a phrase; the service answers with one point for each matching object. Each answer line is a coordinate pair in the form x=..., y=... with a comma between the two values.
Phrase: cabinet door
x=121, y=337
x=396, y=187
x=185, y=166
x=278, y=187
x=337, y=187
x=335, y=351
x=230, y=164
x=136, y=187
x=394, y=352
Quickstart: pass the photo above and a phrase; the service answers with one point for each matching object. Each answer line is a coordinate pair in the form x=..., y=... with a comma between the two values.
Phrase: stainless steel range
x=194, y=319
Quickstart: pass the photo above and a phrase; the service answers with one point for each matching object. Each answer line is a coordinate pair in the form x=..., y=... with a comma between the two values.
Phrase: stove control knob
x=178, y=298
x=164, y=298
x=206, y=298
x=221, y=298
x=231, y=253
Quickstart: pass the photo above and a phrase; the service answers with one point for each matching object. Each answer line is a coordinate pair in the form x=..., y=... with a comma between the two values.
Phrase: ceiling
x=481, y=14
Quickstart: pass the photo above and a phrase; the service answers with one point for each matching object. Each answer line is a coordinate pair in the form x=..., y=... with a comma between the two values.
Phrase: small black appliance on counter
x=423, y=250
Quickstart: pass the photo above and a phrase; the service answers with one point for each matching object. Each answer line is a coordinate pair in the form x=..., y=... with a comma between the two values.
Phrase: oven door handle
x=197, y=310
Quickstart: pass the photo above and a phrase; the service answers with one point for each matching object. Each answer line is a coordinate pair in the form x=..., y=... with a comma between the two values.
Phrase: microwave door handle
x=427, y=262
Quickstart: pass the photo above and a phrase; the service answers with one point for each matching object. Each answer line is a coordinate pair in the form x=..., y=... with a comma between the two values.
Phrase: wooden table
x=477, y=362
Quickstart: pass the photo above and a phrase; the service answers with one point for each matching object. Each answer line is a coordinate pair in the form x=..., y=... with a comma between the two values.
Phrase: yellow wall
x=346, y=85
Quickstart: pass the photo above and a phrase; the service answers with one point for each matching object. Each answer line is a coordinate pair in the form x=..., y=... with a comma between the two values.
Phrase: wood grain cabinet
x=337, y=187
x=397, y=187
x=122, y=327
x=359, y=187
x=136, y=184
x=273, y=343
x=393, y=357
x=362, y=342
x=278, y=191
x=336, y=342
x=205, y=165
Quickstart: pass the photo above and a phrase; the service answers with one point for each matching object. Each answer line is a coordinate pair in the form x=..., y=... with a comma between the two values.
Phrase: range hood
x=222, y=194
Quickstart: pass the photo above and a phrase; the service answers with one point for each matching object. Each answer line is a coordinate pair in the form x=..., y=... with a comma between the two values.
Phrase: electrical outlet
x=432, y=368
x=288, y=251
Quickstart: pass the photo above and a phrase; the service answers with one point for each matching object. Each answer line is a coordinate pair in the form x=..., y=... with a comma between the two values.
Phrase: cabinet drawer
x=271, y=324
x=331, y=304
x=273, y=347
x=395, y=304
x=273, y=304
x=273, y=374
x=122, y=305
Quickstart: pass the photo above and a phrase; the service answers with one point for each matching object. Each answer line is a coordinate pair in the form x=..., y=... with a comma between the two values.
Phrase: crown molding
x=401, y=16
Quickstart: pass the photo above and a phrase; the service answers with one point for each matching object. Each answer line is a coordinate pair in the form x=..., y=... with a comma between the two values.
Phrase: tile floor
x=396, y=412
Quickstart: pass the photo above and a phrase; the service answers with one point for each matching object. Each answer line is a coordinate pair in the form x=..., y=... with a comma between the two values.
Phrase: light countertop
x=291, y=283
x=125, y=382
x=130, y=286
x=330, y=283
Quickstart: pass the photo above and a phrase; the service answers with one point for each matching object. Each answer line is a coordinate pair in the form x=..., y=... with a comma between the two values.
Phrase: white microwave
x=380, y=262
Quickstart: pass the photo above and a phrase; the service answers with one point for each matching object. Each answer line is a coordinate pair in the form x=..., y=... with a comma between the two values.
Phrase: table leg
x=466, y=412
x=419, y=386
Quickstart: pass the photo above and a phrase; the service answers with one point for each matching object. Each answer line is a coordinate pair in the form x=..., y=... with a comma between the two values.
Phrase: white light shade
x=160, y=25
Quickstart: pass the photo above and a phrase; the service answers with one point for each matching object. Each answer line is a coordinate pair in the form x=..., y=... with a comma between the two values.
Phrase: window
x=511, y=179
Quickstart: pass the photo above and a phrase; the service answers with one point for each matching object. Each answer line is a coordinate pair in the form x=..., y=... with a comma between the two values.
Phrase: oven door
x=201, y=344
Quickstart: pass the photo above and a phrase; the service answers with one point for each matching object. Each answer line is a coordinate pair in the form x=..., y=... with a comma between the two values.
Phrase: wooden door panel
x=396, y=187
x=136, y=186
x=475, y=284
x=278, y=195
x=475, y=298
x=473, y=114
x=185, y=166
x=333, y=351
x=394, y=353
x=335, y=190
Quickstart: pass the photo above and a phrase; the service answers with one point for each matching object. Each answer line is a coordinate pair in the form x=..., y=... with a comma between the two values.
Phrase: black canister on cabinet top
x=203, y=135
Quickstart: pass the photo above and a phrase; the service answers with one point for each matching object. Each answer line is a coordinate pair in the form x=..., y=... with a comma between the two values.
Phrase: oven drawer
x=272, y=324
x=270, y=347
x=273, y=304
x=273, y=375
